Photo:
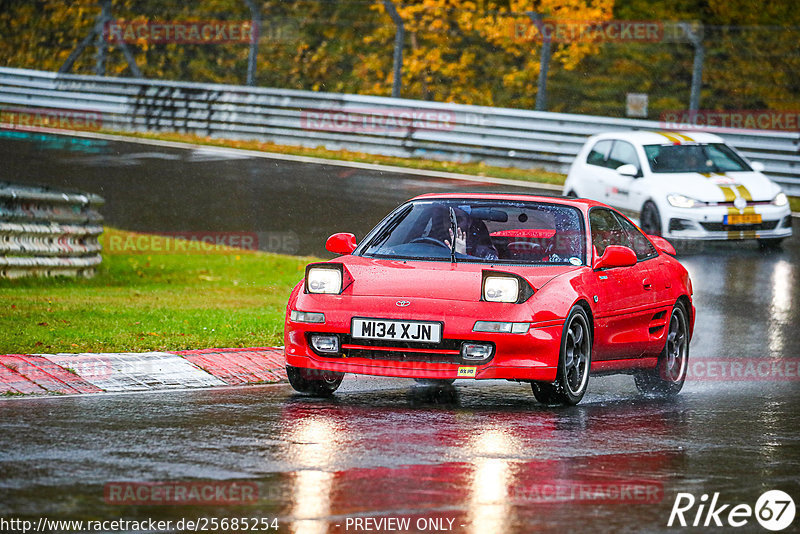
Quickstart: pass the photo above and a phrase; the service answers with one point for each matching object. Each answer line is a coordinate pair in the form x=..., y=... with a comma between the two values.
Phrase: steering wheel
x=429, y=241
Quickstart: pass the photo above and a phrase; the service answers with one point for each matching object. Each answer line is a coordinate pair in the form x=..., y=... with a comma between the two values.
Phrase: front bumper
x=529, y=356
x=708, y=223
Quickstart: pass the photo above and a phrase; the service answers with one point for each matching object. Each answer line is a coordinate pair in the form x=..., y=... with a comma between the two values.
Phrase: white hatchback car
x=683, y=186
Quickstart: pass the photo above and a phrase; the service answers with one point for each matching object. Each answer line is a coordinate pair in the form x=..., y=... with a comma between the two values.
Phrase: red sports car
x=494, y=286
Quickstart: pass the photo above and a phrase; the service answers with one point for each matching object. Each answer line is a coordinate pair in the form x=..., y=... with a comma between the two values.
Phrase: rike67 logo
x=774, y=510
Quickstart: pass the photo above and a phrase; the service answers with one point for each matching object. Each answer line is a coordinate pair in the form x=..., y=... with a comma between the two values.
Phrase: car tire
x=574, y=363
x=670, y=373
x=435, y=381
x=770, y=244
x=314, y=381
x=650, y=219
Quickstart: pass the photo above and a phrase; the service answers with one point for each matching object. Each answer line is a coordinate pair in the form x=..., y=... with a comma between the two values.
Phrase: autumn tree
x=477, y=52
x=469, y=51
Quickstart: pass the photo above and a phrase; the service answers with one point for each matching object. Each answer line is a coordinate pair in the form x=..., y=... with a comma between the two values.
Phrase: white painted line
x=240, y=152
x=135, y=371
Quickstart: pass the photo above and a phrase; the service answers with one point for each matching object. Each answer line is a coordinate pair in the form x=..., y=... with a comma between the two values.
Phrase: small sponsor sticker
x=466, y=371
x=575, y=261
x=723, y=180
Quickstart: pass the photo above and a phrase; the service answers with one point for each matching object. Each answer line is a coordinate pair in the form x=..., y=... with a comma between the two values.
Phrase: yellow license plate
x=746, y=218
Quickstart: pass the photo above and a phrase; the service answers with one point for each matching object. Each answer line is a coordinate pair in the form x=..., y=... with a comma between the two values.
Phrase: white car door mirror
x=757, y=166
x=628, y=170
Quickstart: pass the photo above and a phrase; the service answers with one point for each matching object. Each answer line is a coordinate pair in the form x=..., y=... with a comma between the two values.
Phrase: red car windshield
x=489, y=231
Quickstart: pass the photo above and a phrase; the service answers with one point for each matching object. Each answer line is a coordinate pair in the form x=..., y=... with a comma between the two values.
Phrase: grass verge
x=136, y=302
x=794, y=203
x=474, y=169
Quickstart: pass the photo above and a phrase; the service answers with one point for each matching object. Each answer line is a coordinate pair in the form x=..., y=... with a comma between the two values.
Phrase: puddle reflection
x=495, y=463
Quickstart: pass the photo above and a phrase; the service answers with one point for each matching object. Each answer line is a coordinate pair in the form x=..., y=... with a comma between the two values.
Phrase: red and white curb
x=25, y=374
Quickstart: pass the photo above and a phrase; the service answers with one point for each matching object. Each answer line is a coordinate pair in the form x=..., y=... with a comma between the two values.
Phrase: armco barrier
x=379, y=125
x=47, y=232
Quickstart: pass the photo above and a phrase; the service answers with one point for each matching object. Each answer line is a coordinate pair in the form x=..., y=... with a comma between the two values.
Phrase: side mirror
x=662, y=244
x=615, y=256
x=341, y=243
x=757, y=166
x=628, y=169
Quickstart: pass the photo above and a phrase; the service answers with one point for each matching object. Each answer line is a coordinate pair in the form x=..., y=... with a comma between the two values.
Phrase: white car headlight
x=682, y=201
x=500, y=289
x=780, y=199
x=324, y=280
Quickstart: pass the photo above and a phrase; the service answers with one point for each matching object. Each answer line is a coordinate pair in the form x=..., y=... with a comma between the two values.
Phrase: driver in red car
x=475, y=241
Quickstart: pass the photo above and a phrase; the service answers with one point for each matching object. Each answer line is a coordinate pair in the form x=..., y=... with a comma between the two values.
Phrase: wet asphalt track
x=483, y=455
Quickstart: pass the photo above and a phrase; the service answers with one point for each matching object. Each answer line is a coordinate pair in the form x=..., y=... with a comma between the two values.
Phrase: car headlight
x=780, y=199
x=682, y=201
x=499, y=286
x=500, y=289
x=324, y=280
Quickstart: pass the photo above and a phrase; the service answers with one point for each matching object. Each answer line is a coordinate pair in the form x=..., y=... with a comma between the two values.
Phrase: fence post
x=399, y=37
x=98, y=33
x=255, y=33
x=100, y=40
x=696, y=38
x=544, y=63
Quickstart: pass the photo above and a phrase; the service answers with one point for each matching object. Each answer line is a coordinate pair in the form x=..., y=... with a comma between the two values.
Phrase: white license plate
x=412, y=331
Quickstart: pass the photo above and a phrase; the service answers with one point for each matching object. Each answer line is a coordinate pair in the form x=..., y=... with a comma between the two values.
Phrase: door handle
x=646, y=284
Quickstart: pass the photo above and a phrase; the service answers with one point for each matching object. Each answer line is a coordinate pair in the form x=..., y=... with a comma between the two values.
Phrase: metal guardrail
x=47, y=232
x=379, y=125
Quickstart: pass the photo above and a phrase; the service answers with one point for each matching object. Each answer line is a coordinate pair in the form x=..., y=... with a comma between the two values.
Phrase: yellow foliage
x=448, y=40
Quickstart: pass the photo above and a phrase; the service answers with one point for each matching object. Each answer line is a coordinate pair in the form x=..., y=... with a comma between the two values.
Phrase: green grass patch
x=139, y=302
x=794, y=203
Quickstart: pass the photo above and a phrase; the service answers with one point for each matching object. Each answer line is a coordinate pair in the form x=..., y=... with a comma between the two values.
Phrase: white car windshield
x=488, y=231
x=710, y=157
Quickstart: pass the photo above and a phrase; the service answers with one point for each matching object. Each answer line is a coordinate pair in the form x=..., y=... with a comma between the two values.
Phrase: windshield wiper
x=387, y=230
x=453, y=235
